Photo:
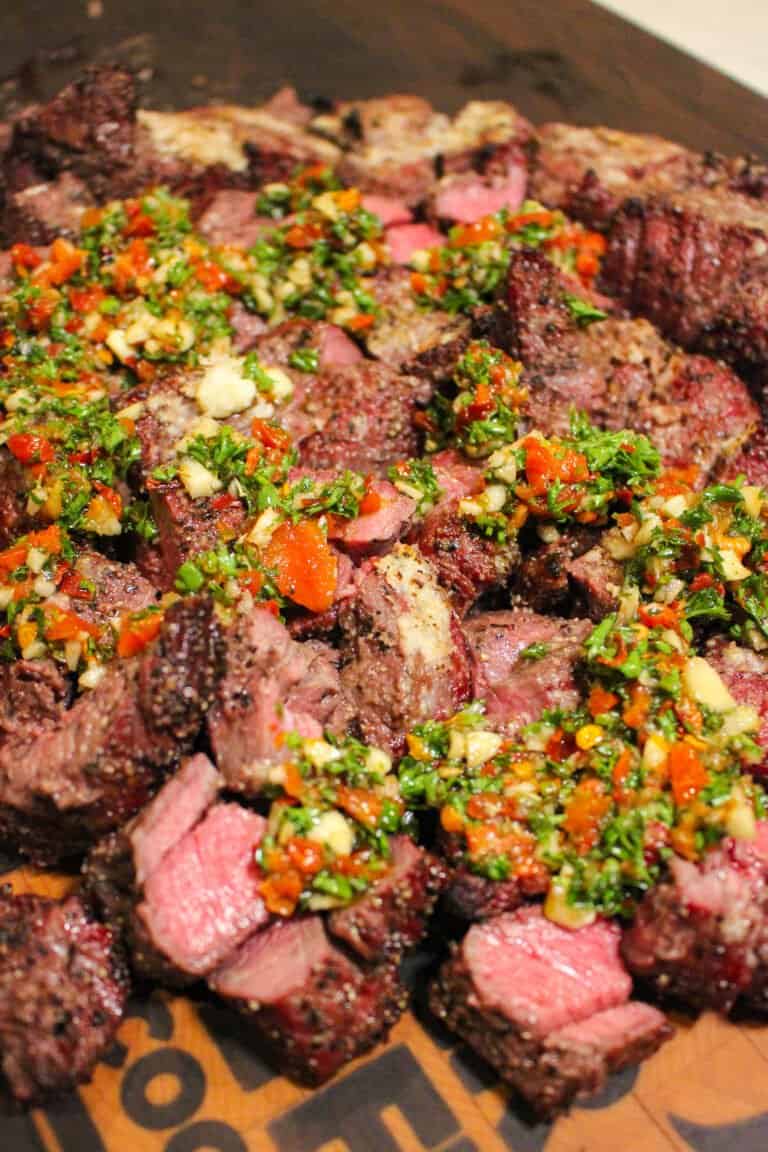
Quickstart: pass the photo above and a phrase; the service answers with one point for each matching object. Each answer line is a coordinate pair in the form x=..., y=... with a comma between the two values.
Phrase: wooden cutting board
x=182, y=1077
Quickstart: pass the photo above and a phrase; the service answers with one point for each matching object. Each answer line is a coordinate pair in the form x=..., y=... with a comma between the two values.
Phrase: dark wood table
x=562, y=60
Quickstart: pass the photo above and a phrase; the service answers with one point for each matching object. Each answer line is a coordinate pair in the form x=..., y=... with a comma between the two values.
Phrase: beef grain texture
x=63, y=988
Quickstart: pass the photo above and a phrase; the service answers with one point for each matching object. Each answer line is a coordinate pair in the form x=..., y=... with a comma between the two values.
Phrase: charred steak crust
x=392, y=917
x=327, y=1009
x=63, y=987
x=93, y=767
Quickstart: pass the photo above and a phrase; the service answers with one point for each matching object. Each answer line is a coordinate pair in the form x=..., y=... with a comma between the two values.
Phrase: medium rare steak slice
x=620, y=372
x=517, y=681
x=694, y=936
x=91, y=768
x=63, y=989
x=695, y=264
x=392, y=916
x=203, y=899
x=314, y=1008
x=376, y=531
x=272, y=685
x=745, y=674
x=546, y=1007
x=329, y=343
x=404, y=658
x=117, y=868
x=404, y=331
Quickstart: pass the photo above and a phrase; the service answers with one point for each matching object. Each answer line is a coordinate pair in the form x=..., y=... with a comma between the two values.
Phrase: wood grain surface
x=566, y=59
x=182, y=1078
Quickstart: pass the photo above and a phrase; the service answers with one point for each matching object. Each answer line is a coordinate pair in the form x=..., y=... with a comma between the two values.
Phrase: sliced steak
x=63, y=989
x=745, y=674
x=185, y=527
x=314, y=1008
x=471, y=897
x=588, y=172
x=468, y=563
x=14, y=518
x=752, y=461
x=331, y=343
x=93, y=130
x=403, y=330
x=117, y=868
x=516, y=684
x=404, y=239
x=376, y=531
x=695, y=264
x=273, y=685
x=109, y=589
x=203, y=899
x=546, y=1007
x=230, y=218
x=404, y=659
x=92, y=767
x=392, y=917
x=694, y=936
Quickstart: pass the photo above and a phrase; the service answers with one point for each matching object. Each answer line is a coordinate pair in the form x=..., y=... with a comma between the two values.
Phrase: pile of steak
x=548, y=1008
x=63, y=987
x=161, y=776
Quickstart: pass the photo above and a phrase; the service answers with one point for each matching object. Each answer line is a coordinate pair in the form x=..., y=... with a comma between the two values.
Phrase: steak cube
x=91, y=768
x=310, y=1003
x=63, y=989
x=273, y=685
x=694, y=936
x=404, y=659
x=203, y=899
x=516, y=681
x=392, y=916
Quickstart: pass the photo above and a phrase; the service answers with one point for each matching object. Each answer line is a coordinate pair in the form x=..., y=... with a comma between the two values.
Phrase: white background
x=730, y=34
